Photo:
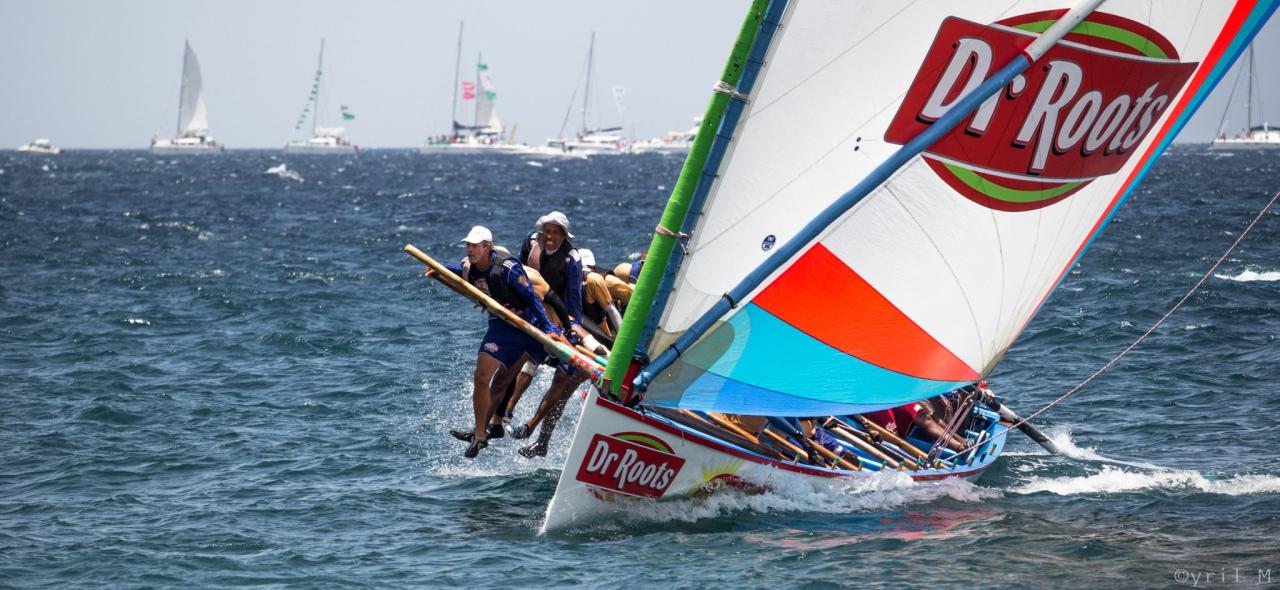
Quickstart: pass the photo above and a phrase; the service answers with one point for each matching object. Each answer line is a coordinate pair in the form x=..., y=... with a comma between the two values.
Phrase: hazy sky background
x=105, y=73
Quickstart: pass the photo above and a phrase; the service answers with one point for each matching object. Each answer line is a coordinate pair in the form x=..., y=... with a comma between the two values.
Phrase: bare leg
x=481, y=398
x=502, y=379
x=521, y=385
x=552, y=406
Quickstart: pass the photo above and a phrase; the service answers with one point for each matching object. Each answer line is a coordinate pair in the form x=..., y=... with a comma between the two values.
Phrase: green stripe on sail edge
x=678, y=204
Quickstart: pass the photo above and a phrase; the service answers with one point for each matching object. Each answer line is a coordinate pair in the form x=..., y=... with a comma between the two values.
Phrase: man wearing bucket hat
x=549, y=251
x=504, y=348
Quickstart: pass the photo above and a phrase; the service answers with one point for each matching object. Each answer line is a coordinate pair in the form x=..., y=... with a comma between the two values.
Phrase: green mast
x=678, y=205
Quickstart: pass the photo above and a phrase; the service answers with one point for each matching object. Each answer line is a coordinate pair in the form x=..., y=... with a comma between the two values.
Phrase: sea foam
x=1249, y=276
x=1114, y=480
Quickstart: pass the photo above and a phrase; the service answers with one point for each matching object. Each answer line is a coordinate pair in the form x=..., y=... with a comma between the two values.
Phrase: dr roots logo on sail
x=1075, y=115
x=631, y=463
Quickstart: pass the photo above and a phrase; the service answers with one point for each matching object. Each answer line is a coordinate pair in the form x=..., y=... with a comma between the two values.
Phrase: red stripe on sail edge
x=824, y=298
x=1230, y=28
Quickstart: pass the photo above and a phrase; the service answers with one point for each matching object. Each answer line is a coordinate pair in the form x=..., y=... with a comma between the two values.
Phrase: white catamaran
x=880, y=197
x=193, y=116
x=1259, y=136
x=486, y=134
x=323, y=140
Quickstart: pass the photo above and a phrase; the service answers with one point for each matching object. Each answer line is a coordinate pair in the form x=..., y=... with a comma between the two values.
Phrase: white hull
x=613, y=444
x=1244, y=144
x=473, y=148
x=196, y=150
x=40, y=146
x=302, y=148
x=679, y=150
x=549, y=153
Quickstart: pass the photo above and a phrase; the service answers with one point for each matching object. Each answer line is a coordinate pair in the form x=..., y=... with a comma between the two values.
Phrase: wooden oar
x=561, y=350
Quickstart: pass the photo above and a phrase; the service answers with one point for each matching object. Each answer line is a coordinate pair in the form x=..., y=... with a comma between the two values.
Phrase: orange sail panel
x=824, y=298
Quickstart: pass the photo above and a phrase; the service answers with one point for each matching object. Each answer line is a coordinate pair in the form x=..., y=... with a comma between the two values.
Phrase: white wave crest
x=284, y=172
x=1113, y=480
x=881, y=491
x=1248, y=276
x=137, y=322
x=1061, y=438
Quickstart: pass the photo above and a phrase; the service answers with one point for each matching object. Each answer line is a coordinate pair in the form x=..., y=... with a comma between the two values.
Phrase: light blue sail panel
x=758, y=364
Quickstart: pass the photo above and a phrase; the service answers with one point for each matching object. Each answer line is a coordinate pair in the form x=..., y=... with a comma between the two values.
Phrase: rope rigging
x=1144, y=335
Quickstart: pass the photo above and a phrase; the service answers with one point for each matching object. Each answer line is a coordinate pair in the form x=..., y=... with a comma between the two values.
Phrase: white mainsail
x=929, y=278
x=486, y=113
x=193, y=116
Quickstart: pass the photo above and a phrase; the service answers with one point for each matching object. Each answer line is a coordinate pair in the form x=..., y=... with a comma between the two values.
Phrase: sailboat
x=486, y=134
x=1259, y=136
x=193, y=116
x=674, y=142
x=323, y=140
x=589, y=141
x=879, y=198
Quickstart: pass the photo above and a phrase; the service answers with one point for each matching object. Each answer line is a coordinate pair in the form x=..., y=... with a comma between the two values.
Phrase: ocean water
x=214, y=375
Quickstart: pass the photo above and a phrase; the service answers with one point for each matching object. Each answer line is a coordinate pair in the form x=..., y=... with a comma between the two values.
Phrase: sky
x=105, y=73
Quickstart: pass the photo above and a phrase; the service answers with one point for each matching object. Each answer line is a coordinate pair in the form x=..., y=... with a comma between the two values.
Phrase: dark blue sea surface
x=213, y=376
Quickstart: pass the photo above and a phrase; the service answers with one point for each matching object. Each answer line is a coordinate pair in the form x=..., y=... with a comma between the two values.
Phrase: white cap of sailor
x=477, y=235
x=588, y=257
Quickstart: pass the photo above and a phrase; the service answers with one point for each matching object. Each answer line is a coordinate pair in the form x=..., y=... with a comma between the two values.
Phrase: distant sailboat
x=589, y=140
x=1261, y=136
x=486, y=134
x=323, y=140
x=193, y=116
x=674, y=142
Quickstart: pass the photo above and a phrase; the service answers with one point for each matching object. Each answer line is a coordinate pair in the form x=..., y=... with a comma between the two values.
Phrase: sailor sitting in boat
x=504, y=348
x=926, y=417
x=603, y=296
x=630, y=271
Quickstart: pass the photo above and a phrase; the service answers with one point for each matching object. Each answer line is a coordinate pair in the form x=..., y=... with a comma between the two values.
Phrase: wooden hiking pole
x=561, y=350
x=825, y=452
x=727, y=423
x=868, y=448
x=902, y=457
x=717, y=421
x=885, y=434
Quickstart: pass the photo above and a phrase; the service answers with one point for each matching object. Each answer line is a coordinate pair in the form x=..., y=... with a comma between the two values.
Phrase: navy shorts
x=505, y=343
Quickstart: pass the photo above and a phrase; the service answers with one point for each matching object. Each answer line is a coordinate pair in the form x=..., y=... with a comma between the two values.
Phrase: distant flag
x=346, y=115
x=619, y=93
x=482, y=67
x=468, y=90
x=486, y=84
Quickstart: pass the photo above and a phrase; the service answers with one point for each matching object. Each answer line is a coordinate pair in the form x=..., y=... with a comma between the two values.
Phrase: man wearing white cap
x=504, y=348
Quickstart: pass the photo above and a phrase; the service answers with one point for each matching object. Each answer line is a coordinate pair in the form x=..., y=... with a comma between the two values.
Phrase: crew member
x=549, y=251
x=504, y=348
